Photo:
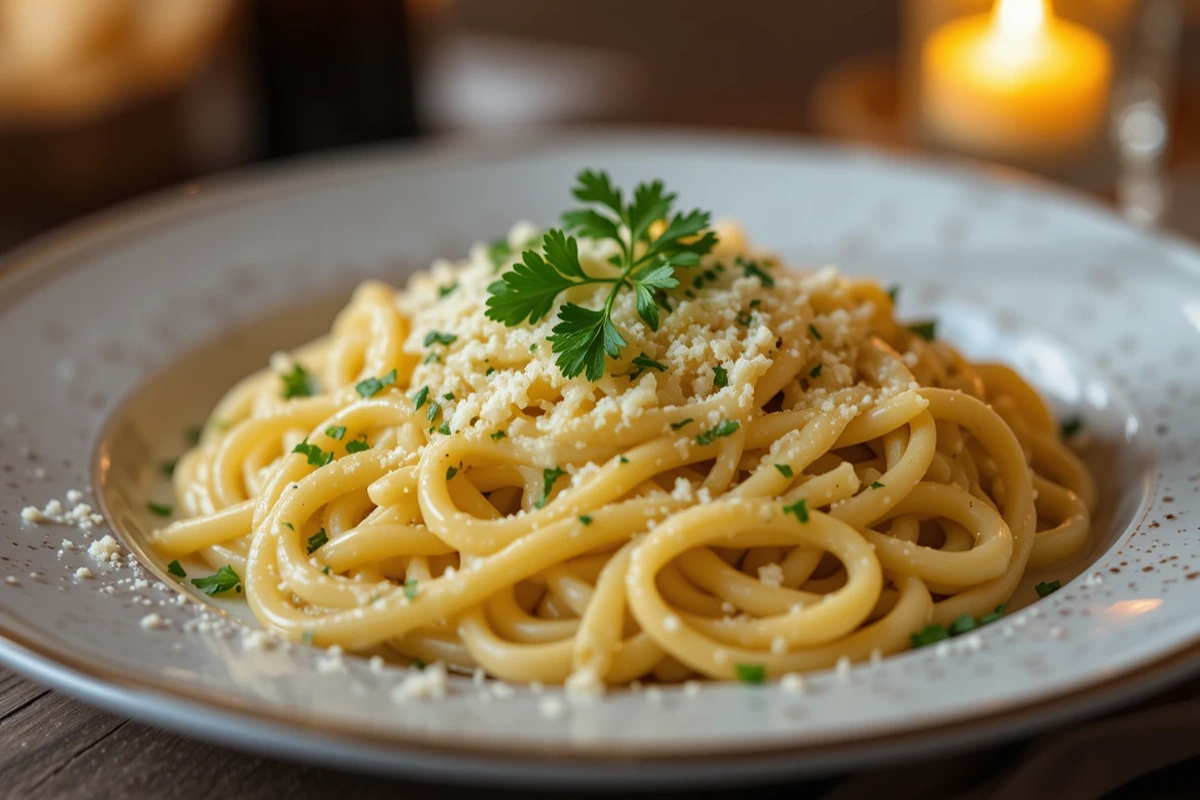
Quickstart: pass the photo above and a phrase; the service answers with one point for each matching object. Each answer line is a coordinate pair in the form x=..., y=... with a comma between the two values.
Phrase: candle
x=1016, y=84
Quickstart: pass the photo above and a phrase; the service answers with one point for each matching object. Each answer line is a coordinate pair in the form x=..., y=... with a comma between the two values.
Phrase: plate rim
x=223, y=191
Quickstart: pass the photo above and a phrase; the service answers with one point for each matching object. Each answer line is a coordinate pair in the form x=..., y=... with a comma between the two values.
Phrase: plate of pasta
x=704, y=458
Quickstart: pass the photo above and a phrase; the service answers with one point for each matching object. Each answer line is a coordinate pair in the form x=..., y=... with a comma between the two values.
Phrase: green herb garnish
x=432, y=358
x=1070, y=426
x=420, y=397
x=754, y=271
x=498, y=435
x=168, y=468
x=358, y=445
x=316, y=540
x=726, y=427
x=926, y=329
x=549, y=476
x=444, y=428
x=750, y=673
x=451, y=472
x=784, y=470
x=161, y=509
x=437, y=337
x=583, y=336
x=815, y=371
x=410, y=588
x=928, y=635
x=224, y=580
x=336, y=432
x=191, y=434
x=876, y=485
x=720, y=377
x=677, y=425
x=445, y=291
x=176, y=569
x=799, y=509
x=370, y=387
x=816, y=333
x=315, y=455
x=297, y=383
x=1043, y=589
x=644, y=362
x=585, y=519
x=499, y=251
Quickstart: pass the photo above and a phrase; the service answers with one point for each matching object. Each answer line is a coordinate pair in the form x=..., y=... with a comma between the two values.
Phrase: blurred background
x=101, y=100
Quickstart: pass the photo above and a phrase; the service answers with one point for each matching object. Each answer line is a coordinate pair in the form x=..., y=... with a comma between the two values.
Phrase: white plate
x=118, y=332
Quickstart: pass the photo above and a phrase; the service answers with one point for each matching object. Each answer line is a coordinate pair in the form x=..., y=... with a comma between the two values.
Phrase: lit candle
x=1016, y=84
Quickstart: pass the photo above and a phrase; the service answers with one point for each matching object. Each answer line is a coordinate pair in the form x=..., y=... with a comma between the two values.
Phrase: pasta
x=779, y=477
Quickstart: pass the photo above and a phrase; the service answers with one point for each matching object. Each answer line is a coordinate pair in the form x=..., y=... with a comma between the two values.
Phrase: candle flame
x=1021, y=17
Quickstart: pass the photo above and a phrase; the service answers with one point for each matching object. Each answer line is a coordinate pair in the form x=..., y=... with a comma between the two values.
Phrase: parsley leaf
x=1070, y=427
x=420, y=397
x=799, y=509
x=585, y=519
x=498, y=435
x=410, y=588
x=336, y=431
x=962, y=624
x=499, y=251
x=994, y=614
x=750, y=673
x=297, y=383
x=785, y=470
x=176, y=569
x=549, y=476
x=315, y=455
x=720, y=377
x=451, y=472
x=161, y=509
x=677, y=425
x=358, y=445
x=816, y=333
x=168, y=468
x=926, y=329
x=726, y=427
x=437, y=337
x=224, y=580
x=583, y=337
x=816, y=371
x=445, y=291
x=1043, y=589
x=373, y=386
x=876, y=485
x=444, y=428
x=316, y=540
x=644, y=362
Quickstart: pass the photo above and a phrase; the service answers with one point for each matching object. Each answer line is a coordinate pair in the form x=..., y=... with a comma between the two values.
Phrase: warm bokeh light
x=1133, y=608
x=1021, y=17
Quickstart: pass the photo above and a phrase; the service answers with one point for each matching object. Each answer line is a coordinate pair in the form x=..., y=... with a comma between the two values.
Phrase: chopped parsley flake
x=315, y=455
x=876, y=485
x=499, y=251
x=549, y=476
x=297, y=383
x=751, y=673
x=316, y=540
x=417, y=664
x=336, y=432
x=435, y=408
x=489, y=371
x=410, y=588
x=745, y=320
x=373, y=386
x=585, y=519
x=1043, y=589
x=448, y=396
x=325, y=571
x=754, y=271
x=935, y=632
x=623, y=460
x=926, y=329
x=358, y=445
x=498, y=435
x=168, y=468
x=816, y=333
x=799, y=509
x=892, y=292
x=224, y=580
x=1071, y=426
x=161, y=509
x=726, y=427
x=432, y=358
x=816, y=371
x=437, y=337
x=445, y=291
x=677, y=425
x=962, y=624
x=176, y=569
x=420, y=397
x=644, y=362
x=451, y=472
x=444, y=428
x=288, y=525
x=720, y=377
x=784, y=470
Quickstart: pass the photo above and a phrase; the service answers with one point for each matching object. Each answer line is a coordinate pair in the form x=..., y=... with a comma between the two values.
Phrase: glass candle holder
x=1075, y=90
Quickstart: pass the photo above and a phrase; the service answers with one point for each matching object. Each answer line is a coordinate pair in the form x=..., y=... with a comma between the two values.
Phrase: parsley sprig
x=646, y=263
